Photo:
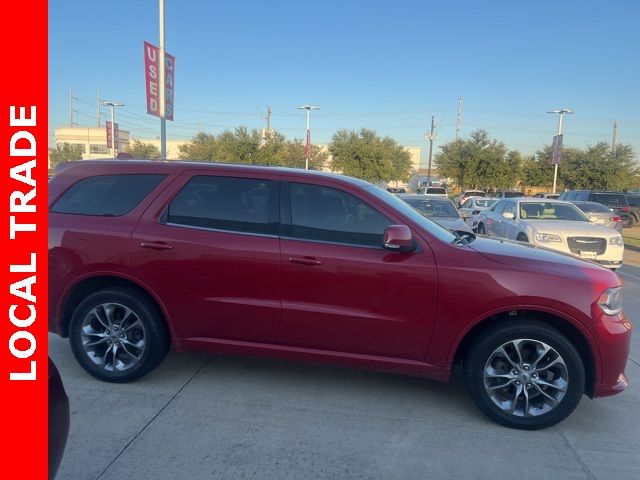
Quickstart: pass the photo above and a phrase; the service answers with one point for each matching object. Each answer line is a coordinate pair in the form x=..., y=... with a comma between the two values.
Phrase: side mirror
x=508, y=215
x=398, y=238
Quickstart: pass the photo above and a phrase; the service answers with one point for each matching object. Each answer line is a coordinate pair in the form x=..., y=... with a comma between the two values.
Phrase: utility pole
x=266, y=131
x=268, y=120
x=431, y=136
x=114, y=140
x=561, y=113
x=98, y=109
x=70, y=116
x=163, y=120
x=613, y=139
x=308, y=108
x=459, y=118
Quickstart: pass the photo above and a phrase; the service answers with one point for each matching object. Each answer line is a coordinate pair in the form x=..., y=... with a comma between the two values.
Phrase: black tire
x=484, y=347
x=481, y=229
x=633, y=221
x=156, y=335
x=522, y=238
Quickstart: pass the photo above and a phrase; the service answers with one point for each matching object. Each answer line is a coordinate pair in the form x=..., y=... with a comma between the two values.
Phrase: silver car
x=438, y=209
x=600, y=215
x=553, y=224
x=473, y=207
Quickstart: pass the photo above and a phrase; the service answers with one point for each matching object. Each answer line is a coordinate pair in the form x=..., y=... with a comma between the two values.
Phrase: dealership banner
x=23, y=133
x=152, y=80
x=111, y=132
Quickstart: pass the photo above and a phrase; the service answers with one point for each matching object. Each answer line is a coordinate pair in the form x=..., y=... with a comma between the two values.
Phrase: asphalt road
x=203, y=416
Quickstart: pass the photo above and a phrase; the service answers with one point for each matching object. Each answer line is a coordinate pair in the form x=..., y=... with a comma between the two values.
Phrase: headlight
x=547, y=237
x=611, y=301
x=616, y=241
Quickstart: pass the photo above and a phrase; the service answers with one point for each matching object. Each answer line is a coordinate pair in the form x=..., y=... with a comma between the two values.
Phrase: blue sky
x=385, y=65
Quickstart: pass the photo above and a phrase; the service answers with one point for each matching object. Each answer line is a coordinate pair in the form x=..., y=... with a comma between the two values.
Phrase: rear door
x=494, y=219
x=509, y=227
x=209, y=248
x=341, y=291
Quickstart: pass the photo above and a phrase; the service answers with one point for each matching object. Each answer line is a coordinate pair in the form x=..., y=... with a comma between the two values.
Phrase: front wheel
x=118, y=335
x=524, y=374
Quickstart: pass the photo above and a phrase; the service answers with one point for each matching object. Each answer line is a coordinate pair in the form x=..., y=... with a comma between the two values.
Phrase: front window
x=551, y=211
x=610, y=199
x=412, y=214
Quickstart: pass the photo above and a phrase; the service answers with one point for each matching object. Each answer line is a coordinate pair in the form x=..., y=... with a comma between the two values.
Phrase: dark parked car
x=507, y=194
x=319, y=267
x=633, y=218
x=616, y=201
x=58, y=419
x=396, y=190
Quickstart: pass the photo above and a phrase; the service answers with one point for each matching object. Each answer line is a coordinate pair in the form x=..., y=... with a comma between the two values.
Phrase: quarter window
x=247, y=205
x=330, y=215
x=107, y=195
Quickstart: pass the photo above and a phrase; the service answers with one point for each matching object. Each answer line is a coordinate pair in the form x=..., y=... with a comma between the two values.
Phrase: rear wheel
x=524, y=374
x=118, y=335
x=522, y=238
x=481, y=229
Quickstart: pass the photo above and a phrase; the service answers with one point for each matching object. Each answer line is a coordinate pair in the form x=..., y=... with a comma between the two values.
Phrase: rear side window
x=331, y=215
x=610, y=199
x=634, y=200
x=107, y=195
x=247, y=205
x=581, y=196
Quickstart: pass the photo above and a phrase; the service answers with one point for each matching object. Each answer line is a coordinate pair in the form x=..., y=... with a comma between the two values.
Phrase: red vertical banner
x=152, y=80
x=169, y=72
x=23, y=345
x=108, y=128
x=152, y=76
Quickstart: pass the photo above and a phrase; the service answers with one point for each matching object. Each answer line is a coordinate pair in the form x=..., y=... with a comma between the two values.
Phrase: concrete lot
x=202, y=416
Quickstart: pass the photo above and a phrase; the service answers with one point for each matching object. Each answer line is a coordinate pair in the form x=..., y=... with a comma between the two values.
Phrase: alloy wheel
x=525, y=377
x=113, y=336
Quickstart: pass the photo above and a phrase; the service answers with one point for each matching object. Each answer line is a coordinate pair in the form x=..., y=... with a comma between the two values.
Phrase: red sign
x=152, y=77
x=23, y=129
x=107, y=125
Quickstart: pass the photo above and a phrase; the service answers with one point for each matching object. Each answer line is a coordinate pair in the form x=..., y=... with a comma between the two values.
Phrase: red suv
x=319, y=267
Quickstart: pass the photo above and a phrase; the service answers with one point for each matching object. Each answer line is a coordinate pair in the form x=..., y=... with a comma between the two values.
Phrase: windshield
x=551, y=211
x=485, y=203
x=436, y=191
x=513, y=194
x=406, y=210
x=432, y=207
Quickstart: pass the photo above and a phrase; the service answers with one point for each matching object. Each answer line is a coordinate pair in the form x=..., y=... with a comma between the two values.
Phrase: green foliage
x=479, y=162
x=66, y=152
x=244, y=146
x=366, y=155
x=145, y=151
x=595, y=168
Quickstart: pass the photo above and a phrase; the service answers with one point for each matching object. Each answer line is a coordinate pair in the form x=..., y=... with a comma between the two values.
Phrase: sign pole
x=163, y=120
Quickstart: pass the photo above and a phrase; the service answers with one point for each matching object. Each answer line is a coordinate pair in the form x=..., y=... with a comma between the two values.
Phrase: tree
x=366, y=155
x=594, y=168
x=66, y=152
x=244, y=146
x=479, y=162
x=140, y=150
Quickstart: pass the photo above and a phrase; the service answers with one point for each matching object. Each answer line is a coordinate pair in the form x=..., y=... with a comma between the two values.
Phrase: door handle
x=156, y=245
x=305, y=261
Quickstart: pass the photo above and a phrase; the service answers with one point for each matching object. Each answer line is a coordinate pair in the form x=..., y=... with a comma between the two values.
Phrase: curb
x=634, y=248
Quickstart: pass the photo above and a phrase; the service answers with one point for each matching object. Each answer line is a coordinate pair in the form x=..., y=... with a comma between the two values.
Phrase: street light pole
x=431, y=136
x=560, y=113
x=113, y=106
x=308, y=108
x=163, y=120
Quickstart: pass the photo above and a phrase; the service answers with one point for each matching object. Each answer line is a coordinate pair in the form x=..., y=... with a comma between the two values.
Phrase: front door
x=341, y=291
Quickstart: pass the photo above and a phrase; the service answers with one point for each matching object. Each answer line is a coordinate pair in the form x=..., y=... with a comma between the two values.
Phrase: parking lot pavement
x=200, y=417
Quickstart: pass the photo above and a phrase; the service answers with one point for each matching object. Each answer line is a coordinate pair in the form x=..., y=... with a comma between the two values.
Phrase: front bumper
x=613, y=334
x=611, y=258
